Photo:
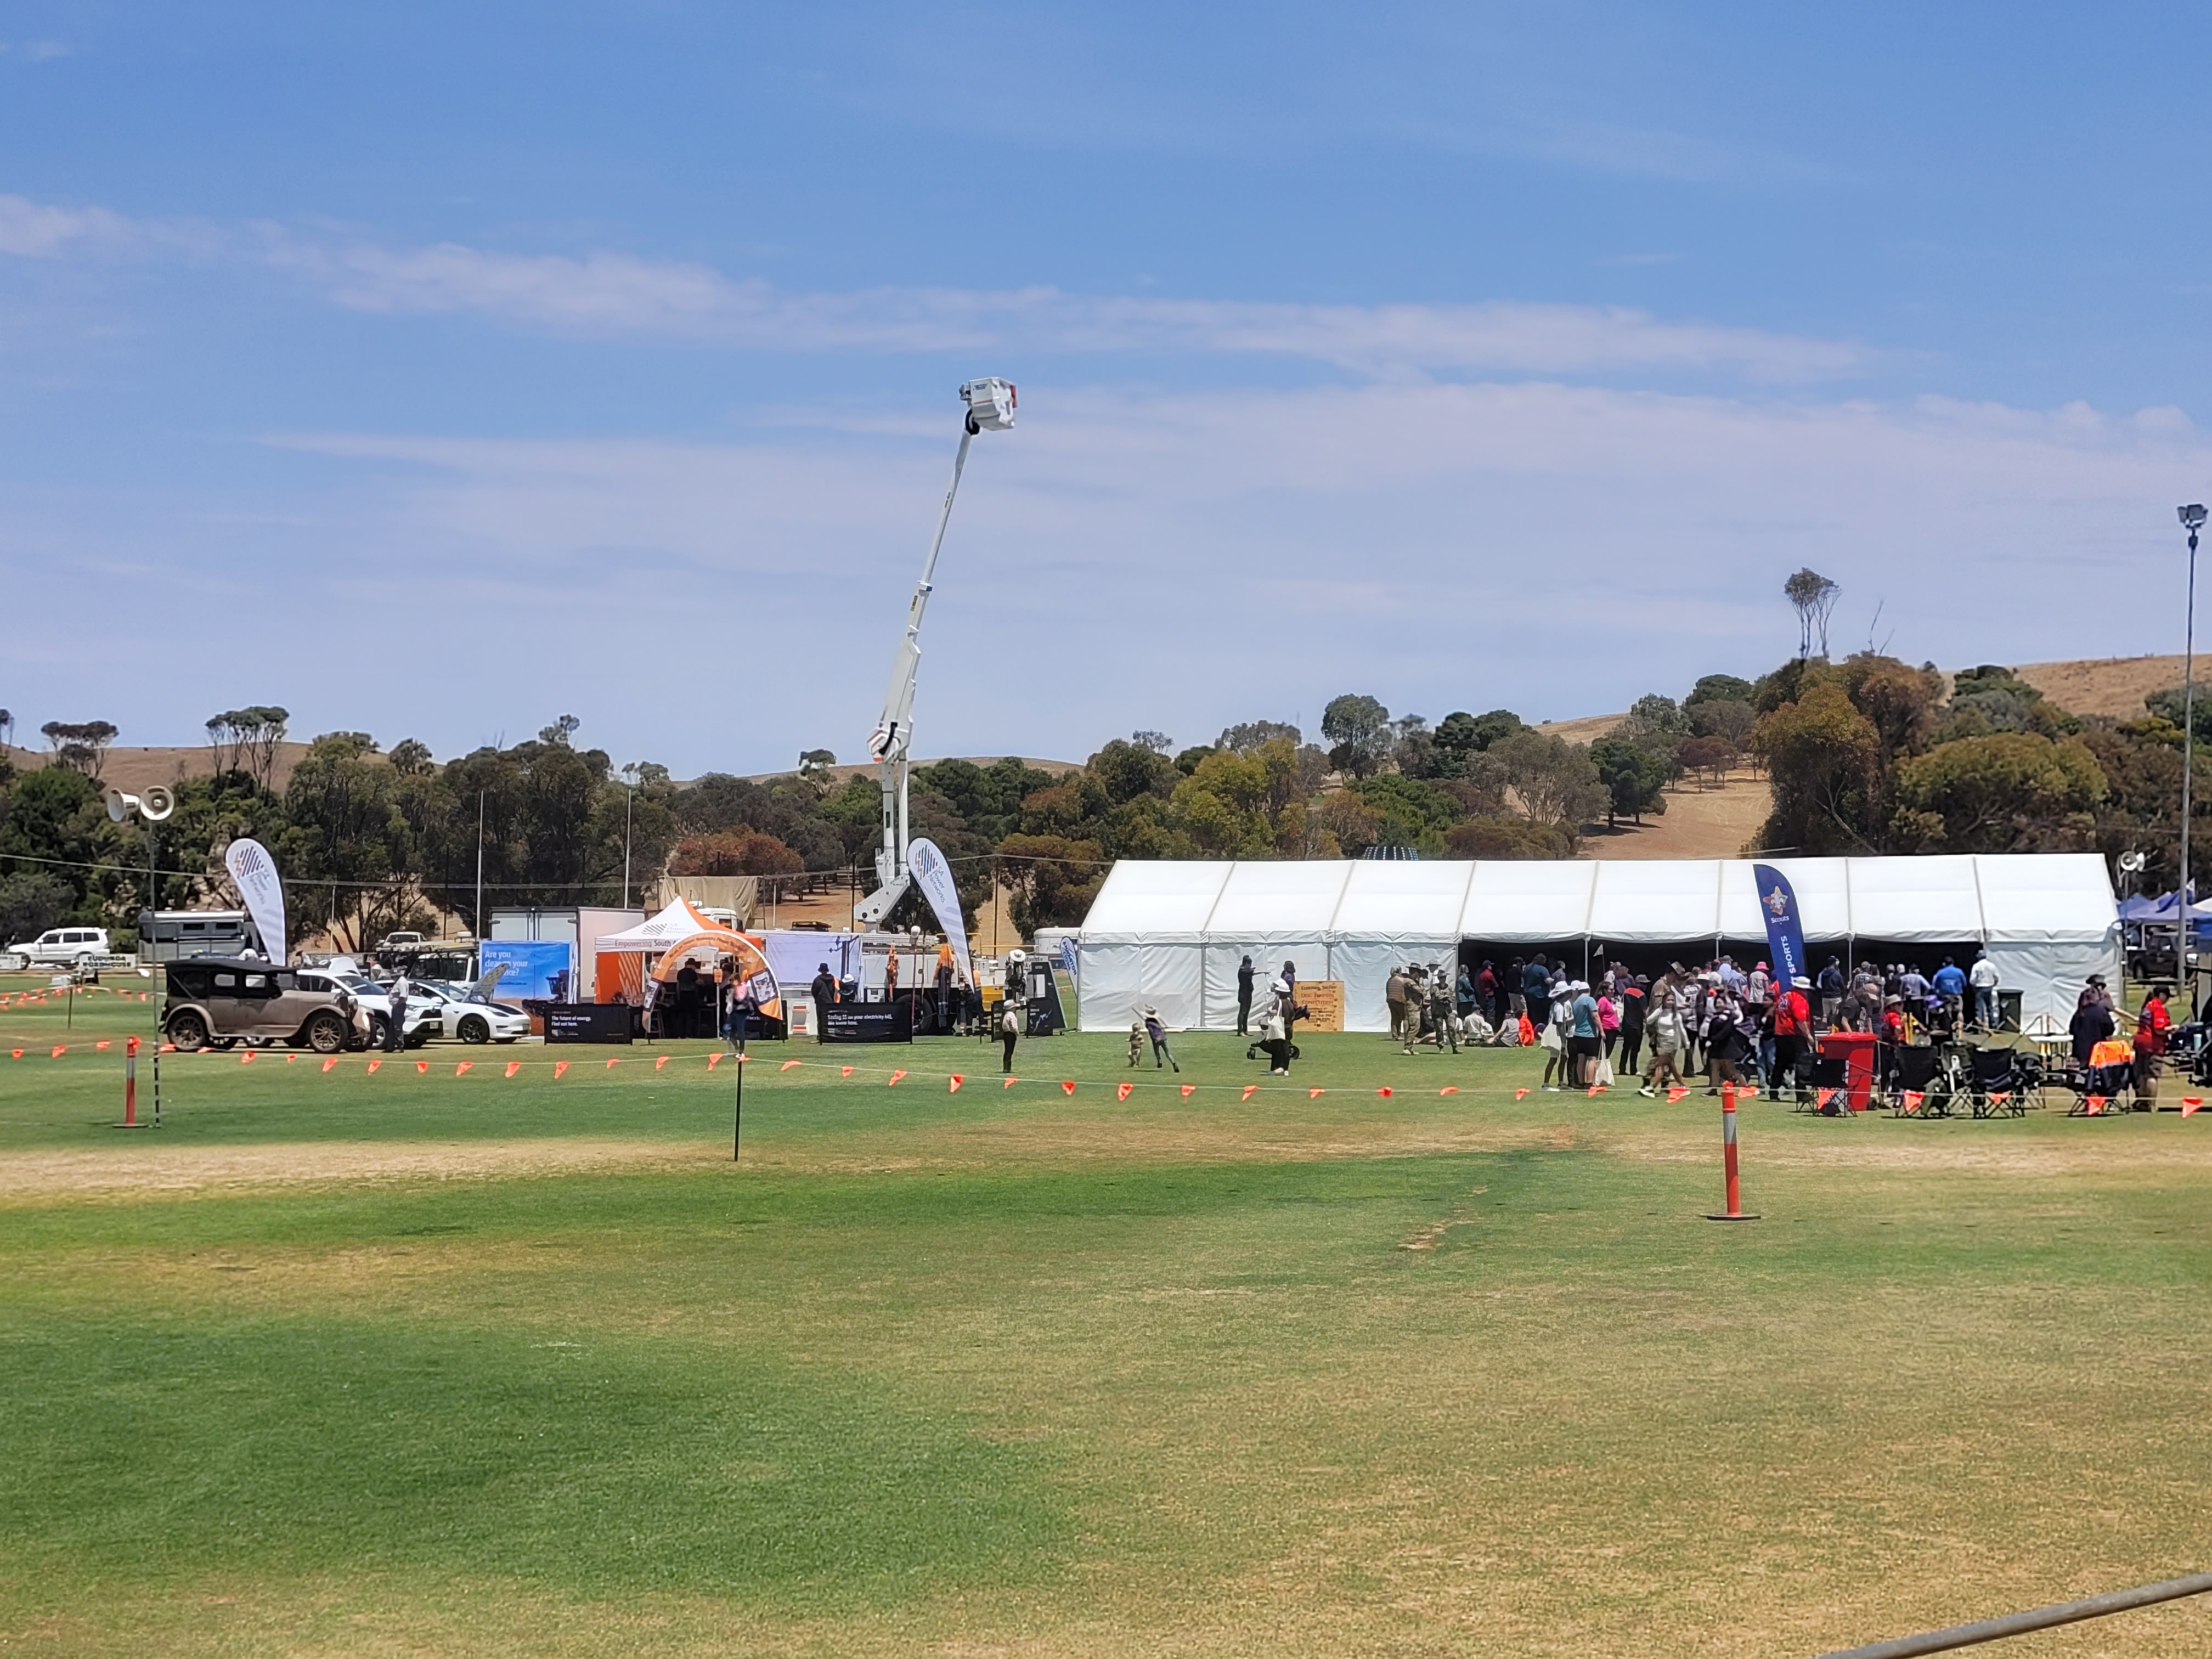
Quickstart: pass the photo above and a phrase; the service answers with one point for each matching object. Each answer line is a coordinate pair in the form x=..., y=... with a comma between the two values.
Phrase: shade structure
x=1171, y=934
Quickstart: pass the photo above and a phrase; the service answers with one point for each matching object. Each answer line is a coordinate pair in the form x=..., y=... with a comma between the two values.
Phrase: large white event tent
x=1170, y=935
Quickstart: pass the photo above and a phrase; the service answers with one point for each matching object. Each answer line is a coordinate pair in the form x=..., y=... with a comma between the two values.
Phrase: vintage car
x=216, y=1001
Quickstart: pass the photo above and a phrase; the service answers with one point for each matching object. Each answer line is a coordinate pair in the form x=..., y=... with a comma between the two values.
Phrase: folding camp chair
x=1911, y=1079
x=2002, y=1079
x=1951, y=1090
x=2112, y=1087
x=1823, y=1077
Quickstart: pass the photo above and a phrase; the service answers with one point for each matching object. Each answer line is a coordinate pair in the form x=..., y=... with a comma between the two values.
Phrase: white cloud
x=615, y=295
x=605, y=295
x=33, y=230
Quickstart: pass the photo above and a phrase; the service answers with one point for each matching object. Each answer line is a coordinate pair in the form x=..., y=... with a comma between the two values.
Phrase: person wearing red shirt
x=2151, y=1027
x=1793, y=1029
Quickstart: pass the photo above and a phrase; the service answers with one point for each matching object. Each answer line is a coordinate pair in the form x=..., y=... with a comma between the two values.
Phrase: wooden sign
x=1323, y=1001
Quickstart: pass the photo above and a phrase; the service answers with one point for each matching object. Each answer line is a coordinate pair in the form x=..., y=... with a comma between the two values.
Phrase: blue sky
x=433, y=371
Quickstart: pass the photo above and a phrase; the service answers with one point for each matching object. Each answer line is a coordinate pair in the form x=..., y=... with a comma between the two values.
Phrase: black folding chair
x=2002, y=1079
x=1822, y=1076
x=2111, y=1086
x=1913, y=1081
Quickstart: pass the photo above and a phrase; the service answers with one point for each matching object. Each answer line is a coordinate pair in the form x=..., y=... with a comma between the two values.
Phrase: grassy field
x=410, y=1363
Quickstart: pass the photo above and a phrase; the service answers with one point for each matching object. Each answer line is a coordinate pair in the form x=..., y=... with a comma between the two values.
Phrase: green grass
x=1010, y=1371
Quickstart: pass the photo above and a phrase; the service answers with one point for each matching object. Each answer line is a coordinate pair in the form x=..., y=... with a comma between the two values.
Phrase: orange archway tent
x=622, y=957
x=709, y=947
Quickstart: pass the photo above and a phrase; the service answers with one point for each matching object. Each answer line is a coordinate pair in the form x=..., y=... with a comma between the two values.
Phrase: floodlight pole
x=2192, y=519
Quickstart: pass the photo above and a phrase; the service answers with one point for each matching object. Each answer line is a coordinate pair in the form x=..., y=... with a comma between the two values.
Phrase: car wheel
x=326, y=1034
x=419, y=1038
x=476, y=1029
x=188, y=1030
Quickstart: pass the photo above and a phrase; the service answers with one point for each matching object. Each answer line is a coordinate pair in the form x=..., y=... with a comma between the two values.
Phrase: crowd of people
x=1730, y=1024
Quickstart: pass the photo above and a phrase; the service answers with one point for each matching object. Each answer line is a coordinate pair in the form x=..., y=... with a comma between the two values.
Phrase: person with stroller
x=1275, y=1038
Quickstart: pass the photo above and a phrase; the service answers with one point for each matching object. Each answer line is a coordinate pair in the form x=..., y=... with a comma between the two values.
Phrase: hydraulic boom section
x=990, y=408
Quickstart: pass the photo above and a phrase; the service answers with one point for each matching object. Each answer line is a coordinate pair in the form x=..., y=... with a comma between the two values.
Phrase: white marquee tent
x=1171, y=934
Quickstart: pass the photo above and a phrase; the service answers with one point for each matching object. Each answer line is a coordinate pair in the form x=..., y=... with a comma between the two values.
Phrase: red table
x=1856, y=1049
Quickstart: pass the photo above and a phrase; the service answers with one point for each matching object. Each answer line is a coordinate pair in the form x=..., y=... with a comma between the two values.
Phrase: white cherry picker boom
x=990, y=408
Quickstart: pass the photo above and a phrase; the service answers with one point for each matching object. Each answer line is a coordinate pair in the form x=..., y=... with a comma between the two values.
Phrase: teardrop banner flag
x=934, y=876
x=1122, y=1090
x=1785, y=934
x=253, y=872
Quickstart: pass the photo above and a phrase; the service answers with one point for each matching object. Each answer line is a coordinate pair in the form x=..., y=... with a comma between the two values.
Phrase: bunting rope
x=702, y=1064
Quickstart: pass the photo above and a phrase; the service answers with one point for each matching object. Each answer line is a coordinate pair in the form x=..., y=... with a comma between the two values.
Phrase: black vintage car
x=213, y=1001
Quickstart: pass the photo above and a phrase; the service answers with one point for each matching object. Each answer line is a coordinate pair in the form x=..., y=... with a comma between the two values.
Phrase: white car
x=63, y=947
x=471, y=1019
x=374, y=1004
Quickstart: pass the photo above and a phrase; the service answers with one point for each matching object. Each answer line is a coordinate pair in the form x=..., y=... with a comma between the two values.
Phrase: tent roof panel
x=2049, y=897
x=2022, y=898
x=1288, y=899
x=1513, y=899
x=1404, y=899
x=1651, y=901
x=1156, y=899
x=1915, y=898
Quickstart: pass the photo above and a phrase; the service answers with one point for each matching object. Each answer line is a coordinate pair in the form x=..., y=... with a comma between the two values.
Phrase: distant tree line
x=1866, y=755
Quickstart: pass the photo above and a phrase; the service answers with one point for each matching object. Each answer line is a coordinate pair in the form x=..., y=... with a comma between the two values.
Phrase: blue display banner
x=1785, y=934
x=541, y=970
